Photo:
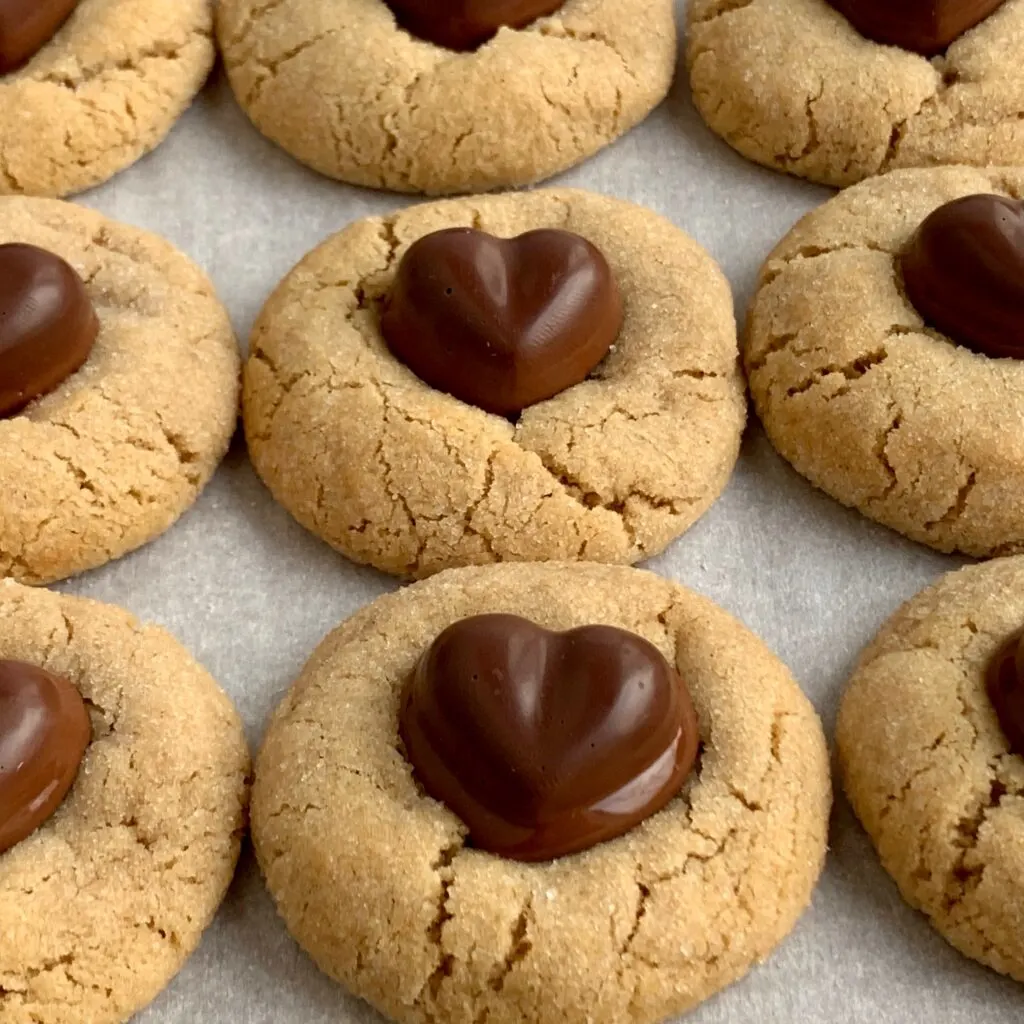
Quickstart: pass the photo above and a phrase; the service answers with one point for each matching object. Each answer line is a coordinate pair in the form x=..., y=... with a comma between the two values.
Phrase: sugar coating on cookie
x=406, y=478
x=104, y=902
x=376, y=880
x=345, y=90
x=104, y=91
x=792, y=85
x=928, y=769
x=114, y=455
x=863, y=397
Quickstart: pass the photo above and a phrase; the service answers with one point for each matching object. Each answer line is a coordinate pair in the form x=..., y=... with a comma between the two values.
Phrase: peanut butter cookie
x=793, y=85
x=930, y=771
x=379, y=883
x=348, y=91
x=104, y=901
x=406, y=478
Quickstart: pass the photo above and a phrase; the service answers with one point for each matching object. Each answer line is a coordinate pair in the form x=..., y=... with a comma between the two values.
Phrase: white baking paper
x=250, y=593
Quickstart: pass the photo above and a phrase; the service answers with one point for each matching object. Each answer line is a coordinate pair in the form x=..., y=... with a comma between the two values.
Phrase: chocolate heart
x=547, y=743
x=26, y=26
x=924, y=26
x=44, y=730
x=502, y=324
x=964, y=272
x=1005, y=684
x=47, y=324
x=465, y=24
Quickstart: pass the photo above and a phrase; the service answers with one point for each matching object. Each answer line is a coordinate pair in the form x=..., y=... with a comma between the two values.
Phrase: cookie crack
x=443, y=868
x=853, y=370
x=959, y=505
x=719, y=9
x=518, y=949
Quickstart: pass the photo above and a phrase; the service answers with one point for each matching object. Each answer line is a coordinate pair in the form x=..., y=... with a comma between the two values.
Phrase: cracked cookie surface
x=376, y=881
x=395, y=474
x=103, y=92
x=837, y=108
x=866, y=401
x=113, y=456
x=928, y=769
x=339, y=86
x=104, y=902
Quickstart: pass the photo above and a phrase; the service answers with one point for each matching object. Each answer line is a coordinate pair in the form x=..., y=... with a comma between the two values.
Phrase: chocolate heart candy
x=502, y=324
x=26, y=26
x=964, y=272
x=924, y=26
x=465, y=24
x=44, y=730
x=47, y=324
x=547, y=743
x=1005, y=685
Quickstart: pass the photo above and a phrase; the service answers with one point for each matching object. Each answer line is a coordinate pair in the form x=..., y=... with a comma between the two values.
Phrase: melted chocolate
x=26, y=26
x=1005, y=684
x=47, y=324
x=923, y=26
x=465, y=24
x=44, y=731
x=502, y=324
x=964, y=273
x=547, y=743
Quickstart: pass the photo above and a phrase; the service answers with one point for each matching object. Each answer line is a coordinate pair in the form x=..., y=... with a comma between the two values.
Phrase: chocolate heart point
x=44, y=731
x=923, y=26
x=547, y=743
x=465, y=24
x=502, y=324
x=1005, y=685
x=26, y=26
x=47, y=324
x=964, y=273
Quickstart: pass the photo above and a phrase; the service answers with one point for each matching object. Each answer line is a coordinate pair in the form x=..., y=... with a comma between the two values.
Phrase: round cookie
x=103, y=92
x=376, y=882
x=927, y=767
x=116, y=453
x=345, y=90
x=792, y=85
x=105, y=901
x=411, y=480
x=872, y=406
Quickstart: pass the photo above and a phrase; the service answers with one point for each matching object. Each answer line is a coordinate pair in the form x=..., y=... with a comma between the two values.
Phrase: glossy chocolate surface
x=47, y=324
x=26, y=26
x=964, y=273
x=1005, y=684
x=44, y=731
x=502, y=323
x=923, y=26
x=547, y=743
x=466, y=24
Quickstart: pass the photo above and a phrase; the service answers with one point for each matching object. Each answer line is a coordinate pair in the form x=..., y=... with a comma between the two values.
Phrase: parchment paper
x=251, y=593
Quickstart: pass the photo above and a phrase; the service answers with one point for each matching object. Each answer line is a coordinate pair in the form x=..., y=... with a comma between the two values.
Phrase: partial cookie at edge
x=106, y=90
x=112, y=458
x=841, y=108
x=864, y=399
x=106, y=900
x=927, y=768
x=412, y=481
x=642, y=927
x=342, y=88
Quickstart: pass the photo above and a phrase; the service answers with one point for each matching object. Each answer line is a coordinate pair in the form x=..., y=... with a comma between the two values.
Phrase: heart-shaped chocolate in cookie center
x=26, y=26
x=44, y=730
x=1005, y=684
x=923, y=26
x=47, y=324
x=547, y=743
x=964, y=273
x=465, y=24
x=502, y=323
